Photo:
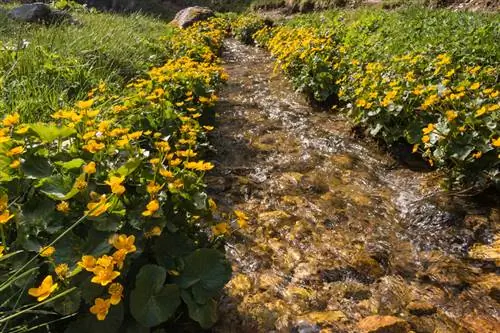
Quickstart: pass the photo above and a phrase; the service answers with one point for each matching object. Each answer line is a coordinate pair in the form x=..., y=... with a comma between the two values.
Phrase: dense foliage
x=429, y=78
x=103, y=210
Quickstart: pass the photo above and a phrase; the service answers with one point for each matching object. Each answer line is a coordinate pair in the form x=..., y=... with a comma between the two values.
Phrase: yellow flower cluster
x=104, y=272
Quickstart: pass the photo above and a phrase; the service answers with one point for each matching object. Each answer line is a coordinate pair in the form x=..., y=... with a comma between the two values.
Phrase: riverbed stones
x=383, y=324
x=191, y=15
x=39, y=13
x=421, y=308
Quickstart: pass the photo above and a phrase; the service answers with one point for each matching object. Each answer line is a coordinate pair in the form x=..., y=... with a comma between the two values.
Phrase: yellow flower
x=116, y=184
x=85, y=104
x=415, y=148
x=62, y=271
x=15, y=164
x=123, y=242
x=475, y=86
x=155, y=231
x=428, y=129
x=360, y=103
x=104, y=276
x=89, y=135
x=46, y=288
x=63, y=207
x=152, y=207
x=89, y=168
x=22, y=129
x=2, y=248
x=426, y=139
x=153, y=187
x=477, y=155
x=119, y=257
x=165, y=173
x=105, y=262
x=154, y=161
x=93, y=146
x=242, y=219
x=80, y=184
x=98, y=208
x=220, y=229
x=461, y=129
x=495, y=142
x=11, y=120
x=47, y=251
x=481, y=111
x=15, y=151
x=451, y=115
x=116, y=292
x=175, y=162
x=87, y=262
x=493, y=107
x=100, y=308
x=135, y=135
x=208, y=128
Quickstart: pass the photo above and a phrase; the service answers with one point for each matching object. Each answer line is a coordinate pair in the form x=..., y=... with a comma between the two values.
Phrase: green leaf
x=36, y=167
x=48, y=133
x=204, y=314
x=74, y=164
x=129, y=167
x=200, y=200
x=206, y=272
x=152, y=302
x=88, y=322
x=57, y=187
x=68, y=304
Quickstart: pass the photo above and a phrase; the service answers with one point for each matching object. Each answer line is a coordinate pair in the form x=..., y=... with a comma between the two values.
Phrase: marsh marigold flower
x=428, y=129
x=63, y=207
x=119, y=257
x=98, y=208
x=116, y=292
x=93, y=146
x=123, y=242
x=5, y=217
x=46, y=288
x=62, y=271
x=15, y=164
x=11, y=120
x=100, y=308
x=495, y=142
x=104, y=276
x=116, y=184
x=220, y=229
x=15, y=151
x=89, y=168
x=88, y=263
x=241, y=219
x=152, y=207
x=47, y=251
x=85, y=104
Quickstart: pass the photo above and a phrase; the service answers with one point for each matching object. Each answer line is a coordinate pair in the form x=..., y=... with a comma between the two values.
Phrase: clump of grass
x=45, y=68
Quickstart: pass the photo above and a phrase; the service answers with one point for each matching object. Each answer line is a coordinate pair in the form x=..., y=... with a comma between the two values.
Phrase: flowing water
x=338, y=230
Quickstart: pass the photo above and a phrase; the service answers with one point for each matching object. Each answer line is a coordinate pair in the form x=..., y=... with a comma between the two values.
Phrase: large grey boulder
x=40, y=13
x=188, y=16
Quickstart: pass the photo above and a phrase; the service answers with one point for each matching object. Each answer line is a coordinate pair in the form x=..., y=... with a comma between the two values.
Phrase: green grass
x=45, y=68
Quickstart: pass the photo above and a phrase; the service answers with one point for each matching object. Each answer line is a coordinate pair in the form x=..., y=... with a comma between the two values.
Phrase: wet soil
x=337, y=233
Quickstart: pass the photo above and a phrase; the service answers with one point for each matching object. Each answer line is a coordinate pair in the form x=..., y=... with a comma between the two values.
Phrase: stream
x=338, y=230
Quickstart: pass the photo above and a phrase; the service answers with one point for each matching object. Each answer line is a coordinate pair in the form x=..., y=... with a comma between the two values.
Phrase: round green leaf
x=152, y=302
